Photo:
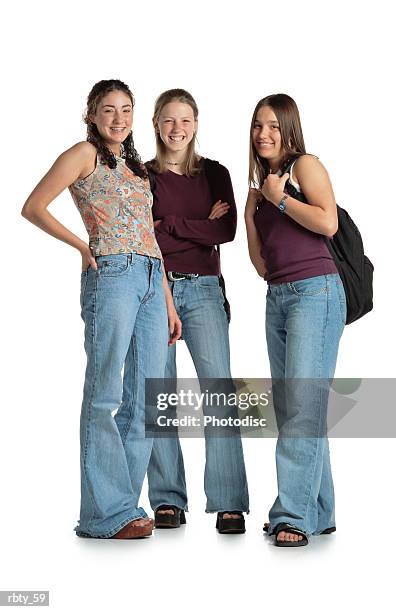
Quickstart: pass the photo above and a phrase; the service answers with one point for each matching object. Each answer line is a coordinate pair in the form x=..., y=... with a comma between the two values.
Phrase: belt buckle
x=175, y=278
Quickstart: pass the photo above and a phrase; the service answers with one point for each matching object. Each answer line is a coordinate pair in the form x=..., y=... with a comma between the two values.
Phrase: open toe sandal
x=230, y=525
x=169, y=521
x=324, y=532
x=289, y=529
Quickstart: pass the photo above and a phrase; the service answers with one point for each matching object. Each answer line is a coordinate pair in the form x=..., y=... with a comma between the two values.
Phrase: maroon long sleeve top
x=186, y=237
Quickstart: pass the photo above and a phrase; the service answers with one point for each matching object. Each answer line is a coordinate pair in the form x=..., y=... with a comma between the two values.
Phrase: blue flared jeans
x=124, y=311
x=199, y=303
x=304, y=323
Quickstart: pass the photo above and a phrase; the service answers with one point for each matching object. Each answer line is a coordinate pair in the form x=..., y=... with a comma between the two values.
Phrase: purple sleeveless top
x=290, y=251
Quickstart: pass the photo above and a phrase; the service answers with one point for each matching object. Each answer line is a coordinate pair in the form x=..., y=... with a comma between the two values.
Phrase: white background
x=335, y=60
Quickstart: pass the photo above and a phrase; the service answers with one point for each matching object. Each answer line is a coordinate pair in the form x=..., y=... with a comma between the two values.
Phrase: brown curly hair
x=132, y=159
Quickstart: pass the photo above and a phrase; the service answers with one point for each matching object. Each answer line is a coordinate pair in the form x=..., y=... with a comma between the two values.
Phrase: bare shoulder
x=308, y=165
x=84, y=151
x=78, y=161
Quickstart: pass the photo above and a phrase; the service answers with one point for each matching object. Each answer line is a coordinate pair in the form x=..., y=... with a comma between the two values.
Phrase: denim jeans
x=124, y=311
x=304, y=323
x=199, y=303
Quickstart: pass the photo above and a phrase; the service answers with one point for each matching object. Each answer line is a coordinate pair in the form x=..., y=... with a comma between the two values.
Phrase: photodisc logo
x=257, y=407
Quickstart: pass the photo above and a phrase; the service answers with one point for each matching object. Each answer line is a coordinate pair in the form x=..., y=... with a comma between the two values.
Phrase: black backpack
x=346, y=248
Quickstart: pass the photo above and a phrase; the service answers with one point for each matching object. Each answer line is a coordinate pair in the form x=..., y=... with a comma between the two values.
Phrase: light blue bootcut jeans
x=304, y=323
x=124, y=311
x=199, y=303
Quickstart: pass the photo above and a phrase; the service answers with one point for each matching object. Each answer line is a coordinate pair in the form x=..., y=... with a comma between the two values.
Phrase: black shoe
x=324, y=532
x=230, y=525
x=328, y=531
x=289, y=529
x=169, y=521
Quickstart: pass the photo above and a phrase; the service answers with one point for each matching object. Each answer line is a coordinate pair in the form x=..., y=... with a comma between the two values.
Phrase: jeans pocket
x=84, y=280
x=342, y=299
x=341, y=290
x=316, y=285
x=113, y=265
x=208, y=281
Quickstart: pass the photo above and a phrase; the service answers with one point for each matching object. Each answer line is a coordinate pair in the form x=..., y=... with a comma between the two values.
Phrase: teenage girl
x=125, y=303
x=287, y=214
x=194, y=210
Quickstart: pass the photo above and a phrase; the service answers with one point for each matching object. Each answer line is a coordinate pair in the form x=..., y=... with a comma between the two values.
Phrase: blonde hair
x=191, y=164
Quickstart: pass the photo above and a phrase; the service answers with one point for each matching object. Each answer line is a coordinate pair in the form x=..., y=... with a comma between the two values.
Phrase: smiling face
x=113, y=118
x=176, y=126
x=266, y=136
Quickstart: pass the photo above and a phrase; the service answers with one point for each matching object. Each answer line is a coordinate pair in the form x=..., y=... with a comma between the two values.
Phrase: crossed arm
x=175, y=234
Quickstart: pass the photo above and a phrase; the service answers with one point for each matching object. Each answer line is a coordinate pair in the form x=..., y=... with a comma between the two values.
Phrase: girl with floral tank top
x=290, y=208
x=126, y=306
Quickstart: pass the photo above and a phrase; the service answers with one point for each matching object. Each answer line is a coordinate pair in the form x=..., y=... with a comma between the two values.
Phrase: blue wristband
x=282, y=203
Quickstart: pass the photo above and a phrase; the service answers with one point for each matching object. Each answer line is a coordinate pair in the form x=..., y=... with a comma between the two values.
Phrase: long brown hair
x=132, y=159
x=292, y=138
x=191, y=164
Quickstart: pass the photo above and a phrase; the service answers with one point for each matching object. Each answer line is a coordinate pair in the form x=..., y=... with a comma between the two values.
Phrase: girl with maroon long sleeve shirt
x=194, y=211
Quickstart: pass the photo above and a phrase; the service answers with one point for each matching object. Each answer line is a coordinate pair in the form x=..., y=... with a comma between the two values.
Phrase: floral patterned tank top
x=115, y=205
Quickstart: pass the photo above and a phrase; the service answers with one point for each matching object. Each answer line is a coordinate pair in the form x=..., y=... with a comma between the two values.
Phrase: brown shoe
x=132, y=531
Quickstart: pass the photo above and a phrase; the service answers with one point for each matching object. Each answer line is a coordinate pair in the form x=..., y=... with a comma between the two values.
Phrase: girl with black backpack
x=305, y=313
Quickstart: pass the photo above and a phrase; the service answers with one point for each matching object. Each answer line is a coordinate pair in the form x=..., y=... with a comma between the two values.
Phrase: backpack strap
x=152, y=178
x=288, y=164
x=211, y=167
x=290, y=189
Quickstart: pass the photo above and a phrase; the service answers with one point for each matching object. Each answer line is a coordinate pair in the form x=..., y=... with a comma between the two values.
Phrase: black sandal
x=328, y=531
x=289, y=529
x=169, y=521
x=324, y=532
x=230, y=525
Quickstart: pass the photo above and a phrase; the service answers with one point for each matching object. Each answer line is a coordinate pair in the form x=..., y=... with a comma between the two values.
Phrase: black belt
x=175, y=276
